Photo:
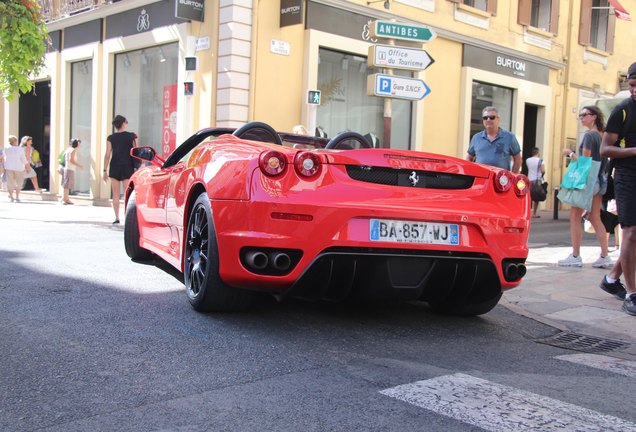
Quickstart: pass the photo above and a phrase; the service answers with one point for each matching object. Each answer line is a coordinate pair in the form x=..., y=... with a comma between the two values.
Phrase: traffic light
x=188, y=88
x=190, y=63
x=313, y=97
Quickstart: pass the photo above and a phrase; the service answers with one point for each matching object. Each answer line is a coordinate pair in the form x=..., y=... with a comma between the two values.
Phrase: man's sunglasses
x=490, y=117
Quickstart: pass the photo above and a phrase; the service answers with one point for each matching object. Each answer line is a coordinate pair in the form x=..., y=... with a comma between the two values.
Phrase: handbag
x=577, y=173
x=581, y=198
x=537, y=191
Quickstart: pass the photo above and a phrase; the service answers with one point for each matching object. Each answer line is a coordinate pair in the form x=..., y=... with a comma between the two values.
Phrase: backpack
x=61, y=160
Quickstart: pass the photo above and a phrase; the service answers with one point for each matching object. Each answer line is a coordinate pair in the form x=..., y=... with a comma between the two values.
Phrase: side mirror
x=143, y=153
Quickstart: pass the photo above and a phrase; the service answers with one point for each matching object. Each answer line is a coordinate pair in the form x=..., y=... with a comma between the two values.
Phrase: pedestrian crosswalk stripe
x=501, y=408
x=611, y=364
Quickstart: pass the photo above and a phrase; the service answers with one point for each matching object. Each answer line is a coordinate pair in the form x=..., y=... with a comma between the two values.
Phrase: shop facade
x=240, y=60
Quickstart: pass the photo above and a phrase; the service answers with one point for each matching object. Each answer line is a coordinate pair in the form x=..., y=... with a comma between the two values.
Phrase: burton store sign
x=190, y=9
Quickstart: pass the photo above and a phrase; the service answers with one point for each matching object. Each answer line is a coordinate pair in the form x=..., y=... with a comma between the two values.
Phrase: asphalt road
x=91, y=341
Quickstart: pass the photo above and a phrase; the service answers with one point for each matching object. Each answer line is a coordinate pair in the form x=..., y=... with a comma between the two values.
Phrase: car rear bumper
x=335, y=257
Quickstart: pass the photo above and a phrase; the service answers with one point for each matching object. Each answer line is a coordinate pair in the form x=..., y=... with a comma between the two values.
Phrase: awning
x=620, y=11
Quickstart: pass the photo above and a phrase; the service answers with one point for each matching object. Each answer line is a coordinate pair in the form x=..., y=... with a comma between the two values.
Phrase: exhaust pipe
x=511, y=272
x=280, y=261
x=521, y=270
x=256, y=260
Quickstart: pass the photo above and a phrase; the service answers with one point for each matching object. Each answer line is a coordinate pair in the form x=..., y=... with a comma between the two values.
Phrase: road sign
x=392, y=30
x=390, y=56
x=313, y=97
x=396, y=87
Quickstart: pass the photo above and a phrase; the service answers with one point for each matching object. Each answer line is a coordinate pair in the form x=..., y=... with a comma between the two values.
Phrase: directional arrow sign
x=396, y=87
x=392, y=30
x=389, y=56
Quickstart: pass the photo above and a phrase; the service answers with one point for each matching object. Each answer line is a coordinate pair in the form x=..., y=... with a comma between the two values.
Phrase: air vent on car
x=409, y=178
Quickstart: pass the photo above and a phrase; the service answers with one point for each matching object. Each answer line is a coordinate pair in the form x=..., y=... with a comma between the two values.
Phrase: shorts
x=120, y=172
x=68, y=179
x=14, y=180
x=624, y=181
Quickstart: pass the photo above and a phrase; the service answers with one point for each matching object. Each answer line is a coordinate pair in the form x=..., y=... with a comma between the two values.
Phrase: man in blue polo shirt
x=494, y=145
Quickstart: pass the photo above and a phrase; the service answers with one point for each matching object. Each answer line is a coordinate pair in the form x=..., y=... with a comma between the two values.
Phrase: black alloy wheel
x=204, y=287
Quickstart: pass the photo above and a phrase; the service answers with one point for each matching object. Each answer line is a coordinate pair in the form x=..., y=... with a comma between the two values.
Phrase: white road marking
x=611, y=364
x=500, y=408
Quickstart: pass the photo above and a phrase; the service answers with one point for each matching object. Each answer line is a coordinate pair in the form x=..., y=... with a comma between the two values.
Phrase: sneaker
x=603, y=262
x=571, y=261
x=629, y=305
x=615, y=253
x=616, y=289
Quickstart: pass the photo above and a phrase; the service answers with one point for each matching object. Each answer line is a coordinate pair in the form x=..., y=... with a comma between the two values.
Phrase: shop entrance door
x=530, y=115
x=35, y=121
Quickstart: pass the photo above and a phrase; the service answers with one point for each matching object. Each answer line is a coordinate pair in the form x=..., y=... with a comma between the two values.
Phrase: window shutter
x=491, y=7
x=585, y=22
x=611, y=30
x=554, y=17
x=524, y=13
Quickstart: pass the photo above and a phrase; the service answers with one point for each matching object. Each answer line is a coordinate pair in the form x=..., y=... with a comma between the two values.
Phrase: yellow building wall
x=278, y=79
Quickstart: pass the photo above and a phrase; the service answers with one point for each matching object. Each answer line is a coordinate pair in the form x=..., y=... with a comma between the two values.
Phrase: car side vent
x=409, y=178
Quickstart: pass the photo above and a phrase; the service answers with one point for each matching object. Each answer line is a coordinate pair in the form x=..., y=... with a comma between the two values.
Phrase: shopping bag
x=576, y=175
x=537, y=192
x=581, y=198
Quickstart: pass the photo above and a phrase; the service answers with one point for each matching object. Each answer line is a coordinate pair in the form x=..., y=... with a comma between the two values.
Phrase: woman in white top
x=15, y=163
x=536, y=169
x=70, y=164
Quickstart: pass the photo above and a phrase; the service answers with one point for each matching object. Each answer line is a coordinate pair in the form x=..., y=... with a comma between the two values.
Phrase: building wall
x=254, y=69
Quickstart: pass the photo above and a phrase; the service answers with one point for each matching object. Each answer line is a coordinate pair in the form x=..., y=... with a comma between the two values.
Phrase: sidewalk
x=566, y=298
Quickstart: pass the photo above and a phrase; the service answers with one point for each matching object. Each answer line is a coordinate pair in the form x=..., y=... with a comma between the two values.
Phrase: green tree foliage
x=23, y=39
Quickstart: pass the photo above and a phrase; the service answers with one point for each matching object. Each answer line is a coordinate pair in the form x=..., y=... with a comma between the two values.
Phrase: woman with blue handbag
x=584, y=188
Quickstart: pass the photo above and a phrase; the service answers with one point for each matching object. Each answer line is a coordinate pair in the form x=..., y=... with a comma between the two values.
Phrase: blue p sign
x=384, y=85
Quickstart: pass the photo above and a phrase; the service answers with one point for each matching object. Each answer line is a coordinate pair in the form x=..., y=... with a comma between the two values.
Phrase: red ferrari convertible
x=254, y=210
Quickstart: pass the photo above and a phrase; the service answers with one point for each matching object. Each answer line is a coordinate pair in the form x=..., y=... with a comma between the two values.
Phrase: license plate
x=413, y=232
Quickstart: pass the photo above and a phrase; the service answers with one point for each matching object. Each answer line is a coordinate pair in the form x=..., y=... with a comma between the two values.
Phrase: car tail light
x=522, y=185
x=272, y=163
x=503, y=180
x=307, y=164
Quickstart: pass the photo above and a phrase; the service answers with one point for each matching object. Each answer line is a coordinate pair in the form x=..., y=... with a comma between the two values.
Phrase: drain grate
x=578, y=342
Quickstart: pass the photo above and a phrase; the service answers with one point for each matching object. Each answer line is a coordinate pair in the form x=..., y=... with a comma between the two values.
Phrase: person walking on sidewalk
x=70, y=165
x=494, y=145
x=15, y=163
x=536, y=170
x=31, y=174
x=619, y=144
x=118, y=160
x=591, y=118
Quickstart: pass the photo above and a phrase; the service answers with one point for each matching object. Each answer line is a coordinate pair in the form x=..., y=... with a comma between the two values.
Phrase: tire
x=131, y=232
x=466, y=309
x=204, y=287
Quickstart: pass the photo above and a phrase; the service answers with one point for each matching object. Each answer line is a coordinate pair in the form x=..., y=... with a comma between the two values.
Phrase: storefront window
x=345, y=105
x=490, y=95
x=145, y=82
x=81, y=109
